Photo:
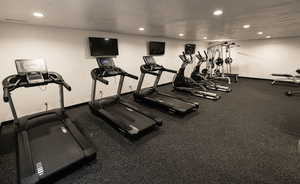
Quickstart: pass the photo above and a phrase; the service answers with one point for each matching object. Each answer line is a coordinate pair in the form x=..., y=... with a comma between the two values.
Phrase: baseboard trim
x=5, y=123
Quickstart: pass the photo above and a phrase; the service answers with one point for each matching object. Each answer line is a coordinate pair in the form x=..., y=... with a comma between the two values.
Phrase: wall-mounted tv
x=103, y=46
x=156, y=48
x=189, y=48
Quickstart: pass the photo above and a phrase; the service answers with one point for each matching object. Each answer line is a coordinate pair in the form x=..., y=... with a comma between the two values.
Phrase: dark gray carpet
x=249, y=136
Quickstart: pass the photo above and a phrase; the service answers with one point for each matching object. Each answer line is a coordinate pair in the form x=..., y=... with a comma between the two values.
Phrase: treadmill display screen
x=30, y=65
x=149, y=60
x=105, y=61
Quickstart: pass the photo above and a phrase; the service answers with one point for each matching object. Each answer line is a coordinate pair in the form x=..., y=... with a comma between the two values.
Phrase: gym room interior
x=143, y=92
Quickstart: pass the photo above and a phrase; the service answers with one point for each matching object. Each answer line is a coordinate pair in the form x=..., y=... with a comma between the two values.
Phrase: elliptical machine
x=185, y=84
x=203, y=77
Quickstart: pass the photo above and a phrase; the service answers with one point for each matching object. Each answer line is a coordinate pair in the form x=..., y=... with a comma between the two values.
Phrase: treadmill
x=127, y=118
x=153, y=96
x=48, y=143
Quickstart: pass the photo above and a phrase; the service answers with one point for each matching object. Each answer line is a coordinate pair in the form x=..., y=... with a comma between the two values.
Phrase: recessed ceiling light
x=247, y=26
x=141, y=29
x=268, y=37
x=181, y=34
x=38, y=14
x=205, y=38
x=260, y=33
x=218, y=12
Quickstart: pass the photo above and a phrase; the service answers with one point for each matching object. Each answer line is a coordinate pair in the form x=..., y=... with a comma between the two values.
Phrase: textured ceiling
x=164, y=18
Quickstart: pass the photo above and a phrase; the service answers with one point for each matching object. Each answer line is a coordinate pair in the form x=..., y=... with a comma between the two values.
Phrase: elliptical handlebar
x=206, y=55
x=199, y=54
x=185, y=59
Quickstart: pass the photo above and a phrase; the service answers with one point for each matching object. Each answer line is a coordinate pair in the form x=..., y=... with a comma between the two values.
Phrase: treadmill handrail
x=13, y=82
x=131, y=76
x=169, y=70
x=146, y=68
x=99, y=76
x=5, y=95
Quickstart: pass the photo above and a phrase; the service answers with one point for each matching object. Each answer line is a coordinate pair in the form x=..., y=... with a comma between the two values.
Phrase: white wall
x=66, y=52
x=260, y=58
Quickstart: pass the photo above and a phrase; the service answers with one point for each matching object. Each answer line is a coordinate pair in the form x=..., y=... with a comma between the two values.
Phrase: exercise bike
x=203, y=77
x=188, y=85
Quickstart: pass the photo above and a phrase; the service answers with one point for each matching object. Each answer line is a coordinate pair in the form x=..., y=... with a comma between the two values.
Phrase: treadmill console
x=149, y=60
x=106, y=62
x=33, y=69
x=107, y=66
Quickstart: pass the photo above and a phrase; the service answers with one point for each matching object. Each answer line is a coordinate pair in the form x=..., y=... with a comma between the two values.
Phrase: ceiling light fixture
x=260, y=33
x=247, y=26
x=141, y=29
x=218, y=12
x=38, y=14
x=181, y=34
x=268, y=37
x=205, y=38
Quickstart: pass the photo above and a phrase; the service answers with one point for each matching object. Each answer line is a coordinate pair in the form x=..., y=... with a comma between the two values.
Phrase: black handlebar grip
x=169, y=70
x=132, y=76
x=153, y=73
x=206, y=56
x=102, y=80
x=5, y=94
x=67, y=86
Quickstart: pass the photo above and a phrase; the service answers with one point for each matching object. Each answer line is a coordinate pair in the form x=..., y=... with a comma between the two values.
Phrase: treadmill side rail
x=26, y=170
x=88, y=149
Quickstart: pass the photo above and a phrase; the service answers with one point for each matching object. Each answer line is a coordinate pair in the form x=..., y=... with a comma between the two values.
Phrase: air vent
x=15, y=20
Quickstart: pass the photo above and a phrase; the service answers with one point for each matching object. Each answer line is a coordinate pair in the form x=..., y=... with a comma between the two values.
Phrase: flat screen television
x=157, y=48
x=189, y=49
x=103, y=46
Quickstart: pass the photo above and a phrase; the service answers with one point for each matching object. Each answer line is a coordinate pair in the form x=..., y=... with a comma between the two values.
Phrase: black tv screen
x=103, y=46
x=190, y=49
x=157, y=48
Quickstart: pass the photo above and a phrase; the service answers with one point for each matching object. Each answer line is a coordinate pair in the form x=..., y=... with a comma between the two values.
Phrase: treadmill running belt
x=129, y=116
x=172, y=102
x=53, y=147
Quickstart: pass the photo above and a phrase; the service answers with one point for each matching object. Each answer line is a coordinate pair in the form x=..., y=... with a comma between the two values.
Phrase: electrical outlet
x=101, y=93
x=46, y=106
